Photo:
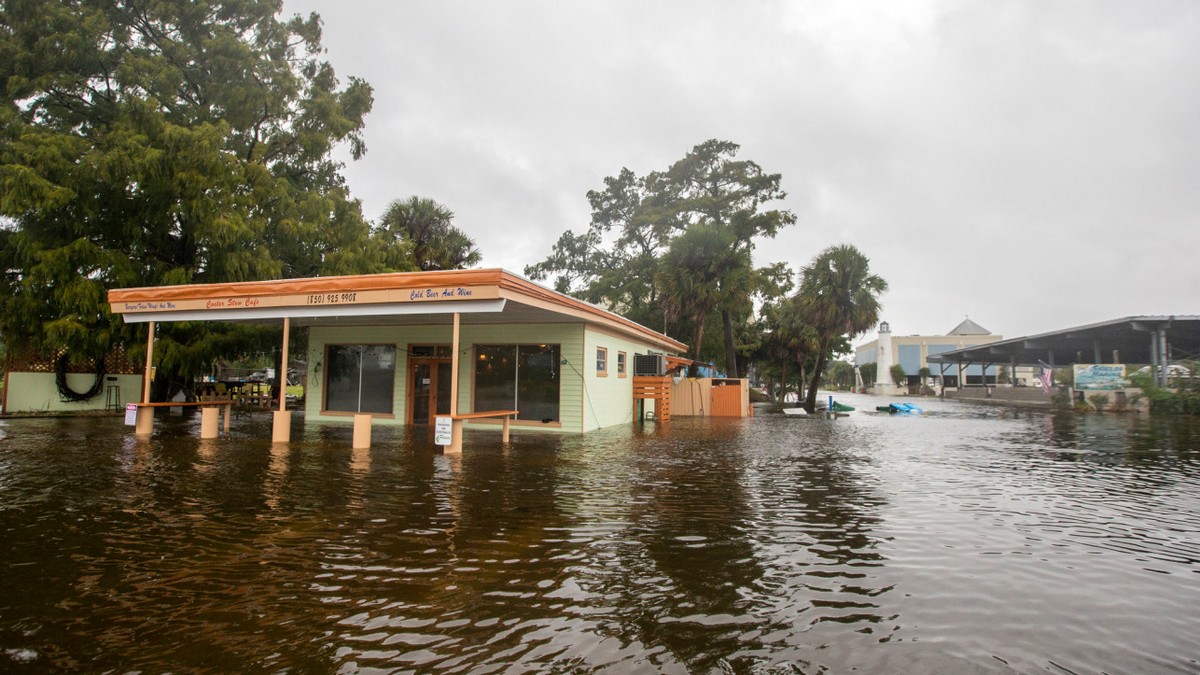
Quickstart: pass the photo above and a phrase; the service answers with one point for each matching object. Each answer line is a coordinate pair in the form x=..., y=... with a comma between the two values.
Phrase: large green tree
x=166, y=142
x=615, y=262
x=691, y=276
x=839, y=299
x=709, y=186
x=618, y=262
x=423, y=231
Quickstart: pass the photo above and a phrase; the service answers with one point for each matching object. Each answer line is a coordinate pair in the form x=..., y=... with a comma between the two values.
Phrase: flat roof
x=1130, y=336
x=488, y=296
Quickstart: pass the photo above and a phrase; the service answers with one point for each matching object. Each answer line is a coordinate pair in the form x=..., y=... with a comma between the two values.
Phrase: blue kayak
x=900, y=408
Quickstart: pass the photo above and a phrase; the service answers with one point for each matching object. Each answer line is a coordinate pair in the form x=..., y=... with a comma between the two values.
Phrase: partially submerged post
x=281, y=427
x=145, y=414
x=456, y=425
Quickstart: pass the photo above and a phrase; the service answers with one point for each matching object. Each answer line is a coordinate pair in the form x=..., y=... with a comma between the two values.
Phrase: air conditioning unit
x=649, y=364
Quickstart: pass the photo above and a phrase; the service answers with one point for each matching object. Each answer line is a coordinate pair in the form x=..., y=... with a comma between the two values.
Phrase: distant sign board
x=1100, y=376
x=443, y=430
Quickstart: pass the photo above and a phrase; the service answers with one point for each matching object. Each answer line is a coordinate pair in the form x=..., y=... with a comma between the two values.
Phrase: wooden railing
x=657, y=389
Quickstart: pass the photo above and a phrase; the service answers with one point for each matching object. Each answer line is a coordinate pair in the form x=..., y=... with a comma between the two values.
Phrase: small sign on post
x=130, y=414
x=443, y=430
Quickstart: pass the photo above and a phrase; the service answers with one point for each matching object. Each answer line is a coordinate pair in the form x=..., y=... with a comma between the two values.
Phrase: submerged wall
x=37, y=392
x=569, y=337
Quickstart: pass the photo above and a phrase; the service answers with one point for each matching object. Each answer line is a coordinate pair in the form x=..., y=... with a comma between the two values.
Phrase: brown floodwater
x=967, y=539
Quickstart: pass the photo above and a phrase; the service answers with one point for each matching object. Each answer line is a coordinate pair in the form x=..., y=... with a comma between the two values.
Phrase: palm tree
x=840, y=297
x=691, y=275
x=425, y=225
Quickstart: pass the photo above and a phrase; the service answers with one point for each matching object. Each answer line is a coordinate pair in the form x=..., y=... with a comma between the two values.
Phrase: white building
x=912, y=352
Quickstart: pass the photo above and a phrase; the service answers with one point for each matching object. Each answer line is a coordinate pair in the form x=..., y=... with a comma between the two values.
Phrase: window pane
x=378, y=378
x=341, y=378
x=521, y=377
x=360, y=378
x=538, y=378
x=495, y=377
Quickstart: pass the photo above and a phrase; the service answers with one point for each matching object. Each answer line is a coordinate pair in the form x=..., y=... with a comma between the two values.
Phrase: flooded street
x=967, y=539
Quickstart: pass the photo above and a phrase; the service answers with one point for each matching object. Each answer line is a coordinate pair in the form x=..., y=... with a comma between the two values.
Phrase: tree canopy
x=168, y=142
x=639, y=223
x=421, y=230
x=839, y=299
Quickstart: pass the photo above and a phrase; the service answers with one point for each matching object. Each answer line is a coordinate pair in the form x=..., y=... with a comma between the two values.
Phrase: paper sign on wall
x=130, y=414
x=442, y=430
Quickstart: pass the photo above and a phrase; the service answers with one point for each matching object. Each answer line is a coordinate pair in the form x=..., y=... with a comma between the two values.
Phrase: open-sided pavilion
x=1157, y=340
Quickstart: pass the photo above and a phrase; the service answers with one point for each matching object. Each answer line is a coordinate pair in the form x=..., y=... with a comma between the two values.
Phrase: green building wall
x=37, y=392
x=569, y=336
x=608, y=399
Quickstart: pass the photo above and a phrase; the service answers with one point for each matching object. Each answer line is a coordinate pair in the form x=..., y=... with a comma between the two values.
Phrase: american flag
x=1047, y=379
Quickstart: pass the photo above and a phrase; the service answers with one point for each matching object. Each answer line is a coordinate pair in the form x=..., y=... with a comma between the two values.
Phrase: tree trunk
x=783, y=382
x=731, y=364
x=810, y=401
x=698, y=335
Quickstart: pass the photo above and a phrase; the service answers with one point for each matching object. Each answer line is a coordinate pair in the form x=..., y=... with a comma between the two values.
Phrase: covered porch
x=482, y=347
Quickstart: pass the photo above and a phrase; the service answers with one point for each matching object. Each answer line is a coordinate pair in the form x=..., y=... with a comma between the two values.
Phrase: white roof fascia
x=259, y=313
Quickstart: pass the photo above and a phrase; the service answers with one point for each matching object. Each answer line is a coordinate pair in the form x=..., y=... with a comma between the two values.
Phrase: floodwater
x=967, y=539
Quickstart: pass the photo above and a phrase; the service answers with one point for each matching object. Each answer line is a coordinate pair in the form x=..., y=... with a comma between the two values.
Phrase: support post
x=281, y=423
x=454, y=366
x=144, y=422
x=456, y=427
x=1164, y=356
x=456, y=434
x=145, y=414
x=1154, y=360
x=282, y=377
x=362, y=431
x=209, y=416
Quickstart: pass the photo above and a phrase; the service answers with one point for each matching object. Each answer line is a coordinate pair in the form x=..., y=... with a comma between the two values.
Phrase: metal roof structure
x=1131, y=340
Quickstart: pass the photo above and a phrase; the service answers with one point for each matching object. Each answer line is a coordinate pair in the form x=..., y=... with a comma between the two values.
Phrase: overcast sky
x=1032, y=164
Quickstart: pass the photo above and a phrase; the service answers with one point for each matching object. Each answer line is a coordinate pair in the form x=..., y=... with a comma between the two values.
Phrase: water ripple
x=964, y=540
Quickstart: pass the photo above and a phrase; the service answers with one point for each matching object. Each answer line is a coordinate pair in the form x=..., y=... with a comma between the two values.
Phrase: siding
x=608, y=401
x=569, y=336
x=37, y=392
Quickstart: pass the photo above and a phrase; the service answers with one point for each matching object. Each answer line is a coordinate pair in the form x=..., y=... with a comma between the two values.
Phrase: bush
x=1183, y=400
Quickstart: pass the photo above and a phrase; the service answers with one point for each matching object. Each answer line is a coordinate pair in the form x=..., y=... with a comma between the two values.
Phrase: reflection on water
x=964, y=540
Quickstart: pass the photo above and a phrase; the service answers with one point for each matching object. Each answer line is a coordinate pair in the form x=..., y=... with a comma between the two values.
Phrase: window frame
x=325, y=379
x=601, y=361
x=622, y=364
x=475, y=348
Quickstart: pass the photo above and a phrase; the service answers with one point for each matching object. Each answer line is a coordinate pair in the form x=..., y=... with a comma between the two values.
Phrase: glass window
x=360, y=378
x=621, y=364
x=601, y=361
x=518, y=377
x=429, y=351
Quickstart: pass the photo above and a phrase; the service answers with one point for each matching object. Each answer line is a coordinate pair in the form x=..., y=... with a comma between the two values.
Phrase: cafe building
x=404, y=348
